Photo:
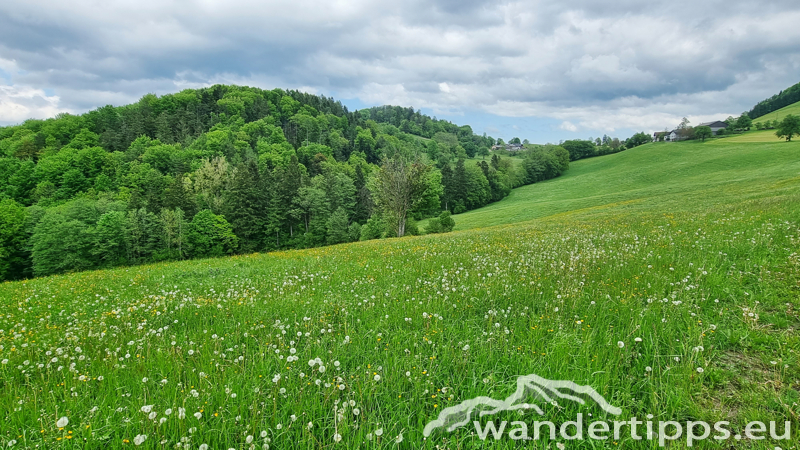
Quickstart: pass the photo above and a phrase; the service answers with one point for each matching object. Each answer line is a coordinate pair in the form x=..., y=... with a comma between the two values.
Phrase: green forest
x=783, y=98
x=228, y=169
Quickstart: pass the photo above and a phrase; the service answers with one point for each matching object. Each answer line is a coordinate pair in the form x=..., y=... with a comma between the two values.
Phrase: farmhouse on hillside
x=671, y=136
x=715, y=126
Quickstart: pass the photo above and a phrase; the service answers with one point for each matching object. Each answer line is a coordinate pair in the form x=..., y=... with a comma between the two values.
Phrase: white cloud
x=568, y=126
x=18, y=103
x=606, y=65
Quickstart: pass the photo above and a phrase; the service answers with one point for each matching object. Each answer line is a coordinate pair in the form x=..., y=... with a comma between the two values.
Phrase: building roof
x=714, y=124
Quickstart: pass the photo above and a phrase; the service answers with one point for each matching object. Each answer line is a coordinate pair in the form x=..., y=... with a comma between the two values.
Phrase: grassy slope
x=794, y=108
x=755, y=137
x=690, y=247
x=673, y=175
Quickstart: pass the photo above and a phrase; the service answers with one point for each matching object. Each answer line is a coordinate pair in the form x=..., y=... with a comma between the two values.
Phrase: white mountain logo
x=529, y=387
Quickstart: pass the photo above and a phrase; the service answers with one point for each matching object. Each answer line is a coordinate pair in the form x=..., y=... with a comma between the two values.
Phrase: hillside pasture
x=659, y=176
x=666, y=277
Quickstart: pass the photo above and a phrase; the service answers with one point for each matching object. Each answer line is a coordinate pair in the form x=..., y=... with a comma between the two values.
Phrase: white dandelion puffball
x=147, y=408
x=203, y=446
x=198, y=415
x=379, y=432
x=139, y=439
x=377, y=378
x=337, y=437
x=700, y=370
x=62, y=422
x=620, y=344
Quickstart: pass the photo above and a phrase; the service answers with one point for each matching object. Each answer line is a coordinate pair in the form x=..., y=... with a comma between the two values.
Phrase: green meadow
x=666, y=277
x=667, y=176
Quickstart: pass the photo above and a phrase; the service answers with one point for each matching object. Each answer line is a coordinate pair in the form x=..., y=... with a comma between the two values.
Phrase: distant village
x=509, y=147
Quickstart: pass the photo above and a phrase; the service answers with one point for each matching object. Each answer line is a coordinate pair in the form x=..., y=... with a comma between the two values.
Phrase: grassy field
x=665, y=175
x=794, y=108
x=755, y=137
x=666, y=277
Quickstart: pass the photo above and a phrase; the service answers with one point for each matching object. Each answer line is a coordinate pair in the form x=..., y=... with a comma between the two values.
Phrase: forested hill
x=776, y=102
x=185, y=116
x=230, y=169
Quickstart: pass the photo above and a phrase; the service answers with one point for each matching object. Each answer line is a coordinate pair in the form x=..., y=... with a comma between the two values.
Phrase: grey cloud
x=564, y=60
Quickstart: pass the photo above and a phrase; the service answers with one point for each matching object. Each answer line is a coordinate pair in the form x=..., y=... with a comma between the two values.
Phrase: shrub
x=433, y=226
x=446, y=222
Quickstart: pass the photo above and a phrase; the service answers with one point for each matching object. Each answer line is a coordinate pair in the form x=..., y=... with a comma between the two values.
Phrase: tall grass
x=360, y=345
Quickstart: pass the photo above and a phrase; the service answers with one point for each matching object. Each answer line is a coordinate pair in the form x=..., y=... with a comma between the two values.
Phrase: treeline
x=413, y=122
x=776, y=102
x=228, y=170
x=580, y=149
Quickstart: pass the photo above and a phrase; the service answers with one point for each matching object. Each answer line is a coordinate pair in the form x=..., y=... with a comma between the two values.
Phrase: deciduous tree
x=703, y=132
x=789, y=127
x=398, y=187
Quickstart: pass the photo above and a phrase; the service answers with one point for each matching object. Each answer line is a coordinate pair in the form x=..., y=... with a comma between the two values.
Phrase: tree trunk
x=401, y=227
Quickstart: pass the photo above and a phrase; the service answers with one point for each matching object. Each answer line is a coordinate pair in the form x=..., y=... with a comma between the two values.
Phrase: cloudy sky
x=543, y=70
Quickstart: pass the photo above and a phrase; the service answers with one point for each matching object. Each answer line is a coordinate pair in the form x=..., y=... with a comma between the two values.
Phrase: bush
x=373, y=229
x=442, y=224
x=446, y=222
x=433, y=226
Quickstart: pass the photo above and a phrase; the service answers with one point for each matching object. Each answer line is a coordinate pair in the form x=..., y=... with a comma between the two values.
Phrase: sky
x=539, y=70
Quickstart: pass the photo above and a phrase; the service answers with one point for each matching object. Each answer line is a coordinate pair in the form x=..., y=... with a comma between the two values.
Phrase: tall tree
x=179, y=195
x=110, y=243
x=448, y=188
x=246, y=205
x=210, y=181
x=12, y=239
x=287, y=179
x=398, y=187
x=338, y=229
